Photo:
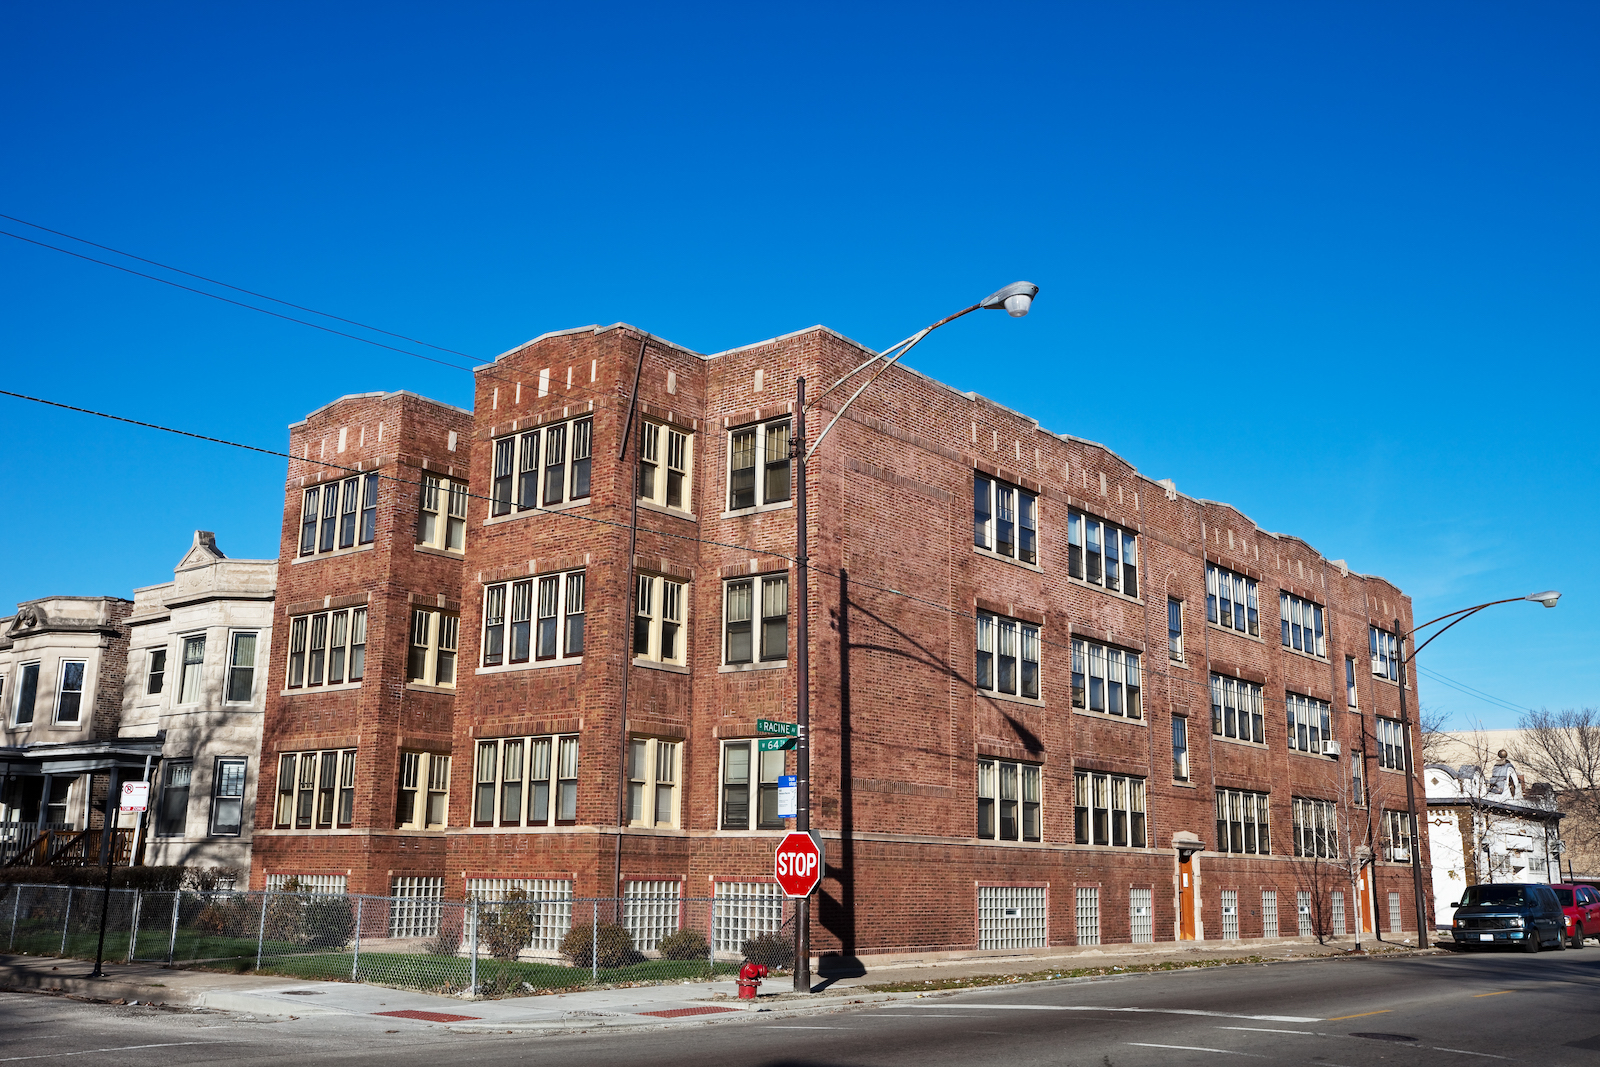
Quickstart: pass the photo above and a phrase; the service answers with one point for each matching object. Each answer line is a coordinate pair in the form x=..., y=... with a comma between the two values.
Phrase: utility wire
x=1464, y=688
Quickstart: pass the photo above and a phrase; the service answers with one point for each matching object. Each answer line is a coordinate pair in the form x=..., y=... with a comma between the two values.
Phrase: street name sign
x=783, y=729
x=774, y=744
x=797, y=865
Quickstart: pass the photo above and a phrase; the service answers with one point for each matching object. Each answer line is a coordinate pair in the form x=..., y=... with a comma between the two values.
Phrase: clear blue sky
x=1334, y=264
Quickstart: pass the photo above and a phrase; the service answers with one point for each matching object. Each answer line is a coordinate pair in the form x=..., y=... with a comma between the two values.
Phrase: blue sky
x=1334, y=264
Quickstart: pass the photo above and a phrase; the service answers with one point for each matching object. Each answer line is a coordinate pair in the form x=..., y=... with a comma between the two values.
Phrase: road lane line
x=1502, y=993
x=1360, y=1015
x=1464, y=1052
x=773, y=1027
x=1197, y=1048
x=1150, y=1011
x=92, y=1051
x=1265, y=1030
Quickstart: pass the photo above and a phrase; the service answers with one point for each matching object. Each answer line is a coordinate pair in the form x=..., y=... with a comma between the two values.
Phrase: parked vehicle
x=1528, y=915
x=1581, y=904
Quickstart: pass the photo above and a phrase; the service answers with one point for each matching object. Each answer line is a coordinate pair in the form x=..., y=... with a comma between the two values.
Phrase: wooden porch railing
x=73, y=848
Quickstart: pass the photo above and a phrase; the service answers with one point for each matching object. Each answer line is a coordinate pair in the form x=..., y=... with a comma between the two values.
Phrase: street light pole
x=1548, y=599
x=1015, y=299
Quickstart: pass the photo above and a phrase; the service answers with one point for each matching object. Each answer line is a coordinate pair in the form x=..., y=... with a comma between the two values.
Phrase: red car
x=1581, y=904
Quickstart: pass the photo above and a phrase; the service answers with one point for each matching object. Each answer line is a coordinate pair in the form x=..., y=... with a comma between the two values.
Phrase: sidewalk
x=687, y=1003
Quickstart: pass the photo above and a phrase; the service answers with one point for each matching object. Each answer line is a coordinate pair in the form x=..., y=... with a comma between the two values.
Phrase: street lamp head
x=1015, y=298
x=1548, y=598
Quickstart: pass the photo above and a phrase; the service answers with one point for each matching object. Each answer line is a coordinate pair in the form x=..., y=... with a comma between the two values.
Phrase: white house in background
x=1488, y=827
x=196, y=677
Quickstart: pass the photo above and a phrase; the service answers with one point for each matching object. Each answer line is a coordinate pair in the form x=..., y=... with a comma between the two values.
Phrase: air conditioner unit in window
x=1397, y=855
x=1330, y=748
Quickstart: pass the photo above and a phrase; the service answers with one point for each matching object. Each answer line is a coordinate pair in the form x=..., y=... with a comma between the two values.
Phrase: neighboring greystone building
x=196, y=677
x=1492, y=827
x=61, y=757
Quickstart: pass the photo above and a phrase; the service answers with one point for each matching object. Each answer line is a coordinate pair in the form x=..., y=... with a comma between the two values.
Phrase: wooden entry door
x=1186, y=874
x=1368, y=909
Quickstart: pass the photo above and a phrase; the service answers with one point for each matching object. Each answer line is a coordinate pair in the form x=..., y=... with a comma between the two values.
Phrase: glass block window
x=650, y=911
x=414, y=907
x=1394, y=913
x=1230, y=915
x=741, y=910
x=1269, y=913
x=1140, y=919
x=1087, y=914
x=554, y=899
x=1302, y=907
x=1338, y=913
x=1011, y=916
x=307, y=883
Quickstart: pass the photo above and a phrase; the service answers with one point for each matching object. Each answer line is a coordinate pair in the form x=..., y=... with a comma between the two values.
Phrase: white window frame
x=1094, y=558
x=422, y=798
x=1310, y=723
x=996, y=779
x=760, y=784
x=432, y=660
x=1237, y=711
x=321, y=790
x=1390, y=737
x=566, y=446
x=236, y=670
x=1180, y=748
x=153, y=677
x=350, y=654
x=1002, y=510
x=1108, y=675
x=349, y=513
x=660, y=615
x=1223, y=590
x=666, y=466
x=1384, y=652
x=549, y=609
x=1315, y=828
x=62, y=692
x=159, y=826
x=191, y=670
x=442, y=514
x=1098, y=798
x=1249, y=814
x=522, y=774
x=761, y=495
x=219, y=780
x=655, y=773
x=22, y=687
x=1175, y=629
x=1000, y=639
x=1302, y=625
x=762, y=652
x=1351, y=695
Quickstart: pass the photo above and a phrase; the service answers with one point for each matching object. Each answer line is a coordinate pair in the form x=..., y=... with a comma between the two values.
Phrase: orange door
x=1365, y=887
x=1186, y=898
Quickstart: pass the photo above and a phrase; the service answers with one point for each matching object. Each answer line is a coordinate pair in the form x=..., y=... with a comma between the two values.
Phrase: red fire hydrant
x=750, y=976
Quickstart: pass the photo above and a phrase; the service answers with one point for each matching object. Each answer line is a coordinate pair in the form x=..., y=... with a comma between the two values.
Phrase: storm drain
x=428, y=1016
x=678, y=1013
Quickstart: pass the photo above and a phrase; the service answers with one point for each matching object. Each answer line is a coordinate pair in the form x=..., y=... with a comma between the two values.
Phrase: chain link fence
x=502, y=941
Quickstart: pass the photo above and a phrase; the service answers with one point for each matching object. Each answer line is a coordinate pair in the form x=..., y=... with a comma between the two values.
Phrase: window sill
x=757, y=510
x=1103, y=716
x=1084, y=583
x=301, y=690
x=657, y=665
x=754, y=833
x=1236, y=633
x=1318, y=756
x=419, y=687
x=1009, y=842
x=1027, y=702
x=1185, y=664
x=675, y=513
x=447, y=553
x=532, y=665
x=737, y=668
x=1176, y=784
x=543, y=509
x=1239, y=742
x=335, y=554
x=1291, y=650
x=1391, y=770
x=998, y=557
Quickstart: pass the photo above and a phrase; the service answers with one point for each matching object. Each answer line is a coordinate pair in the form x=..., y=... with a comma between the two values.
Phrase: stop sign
x=798, y=864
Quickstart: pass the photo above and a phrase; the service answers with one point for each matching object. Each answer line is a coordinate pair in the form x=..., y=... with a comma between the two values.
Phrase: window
x=526, y=781
x=69, y=700
x=316, y=788
x=1309, y=726
x=1230, y=915
x=442, y=517
x=339, y=514
x=1180, y=748
x=1005, y=519
x=1012, y=917
x=423, y=800
x=27, y=694
x=1231, y=601
x=1140, y=918
x=174, y=810
x=758, y=465
x=431, y=659
x=1385, y=658
x=1350, y=682
x=1008, y=656
x=743, y=910
x=242, y=668
x=156, y=671
x=1316, y=834
x=1109, y=810
x=546, y=620
x=329, y=648
x=750, y=773
x=1174, y=629
x=658, y=619
x=1391, y=745
x=1397, y=836
x=1236, y=709
x=1087, y=915
x=1301, y=621
x=653, y=782
x=532, y=468
x=1105, y=680
x=1008, y=801
x=650, y=911
x=1358, y=787
x=664, y=457
x=1102, y=554
x=740, y=599
x=189, y=676
x=227, y=797
x=1242, y=822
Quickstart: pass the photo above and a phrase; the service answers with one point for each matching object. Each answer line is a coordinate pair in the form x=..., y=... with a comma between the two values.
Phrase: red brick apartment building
x=1054, y=702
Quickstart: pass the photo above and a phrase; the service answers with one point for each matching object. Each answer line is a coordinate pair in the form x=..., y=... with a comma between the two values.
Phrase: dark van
x=1528, y=916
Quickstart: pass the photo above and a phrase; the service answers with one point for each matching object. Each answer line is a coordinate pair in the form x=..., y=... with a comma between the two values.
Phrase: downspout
x=627, y=631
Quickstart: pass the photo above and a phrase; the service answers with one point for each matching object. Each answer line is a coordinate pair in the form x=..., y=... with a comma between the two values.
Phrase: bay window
x=1309, y=724
x=1005, y=519
x=328, y=648
x=442, y=514
x=339, y=515
x=545, y=620
x=1301, y=623
x=1008, y=656
x=658, y=632
x=1236, y=710
x=526, y=781
x=744, y=641
x=1231, y=601
x=1106, y=680
x=1008, y=801
x=543, y=467
x=758, y=465
x=665, y=454
x=1108, y=810
x=1102, y=553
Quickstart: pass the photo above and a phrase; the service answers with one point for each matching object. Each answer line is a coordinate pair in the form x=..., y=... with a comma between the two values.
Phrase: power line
x=1467, y=690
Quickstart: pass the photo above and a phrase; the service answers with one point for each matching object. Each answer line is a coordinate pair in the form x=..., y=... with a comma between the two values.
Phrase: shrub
x=612, y=944
x=447, y=942
x=509, y=926
x=150, y=879
x=330, y=920
x=209, y=879
x=683, y=945
x=229, y=916
x=772, y=950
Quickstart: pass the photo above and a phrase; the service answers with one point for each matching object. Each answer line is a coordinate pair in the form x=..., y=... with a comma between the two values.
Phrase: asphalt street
x=1474, y=1008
